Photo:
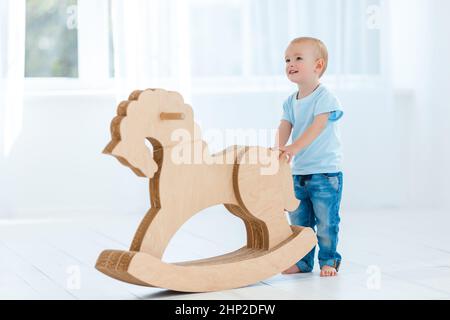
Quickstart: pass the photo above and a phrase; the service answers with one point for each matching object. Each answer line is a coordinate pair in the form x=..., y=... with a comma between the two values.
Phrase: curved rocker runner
x=249, y=189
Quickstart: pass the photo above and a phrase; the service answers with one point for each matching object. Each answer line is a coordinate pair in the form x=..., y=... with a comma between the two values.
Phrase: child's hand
x=288, y=152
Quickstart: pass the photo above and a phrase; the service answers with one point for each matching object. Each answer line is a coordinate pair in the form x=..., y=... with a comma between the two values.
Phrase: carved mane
x=151, y=114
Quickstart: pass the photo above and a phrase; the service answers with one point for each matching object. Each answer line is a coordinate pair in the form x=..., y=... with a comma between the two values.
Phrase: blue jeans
x=320, y=197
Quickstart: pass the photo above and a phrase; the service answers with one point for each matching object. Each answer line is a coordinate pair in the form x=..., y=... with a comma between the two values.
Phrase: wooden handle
x=171, y=116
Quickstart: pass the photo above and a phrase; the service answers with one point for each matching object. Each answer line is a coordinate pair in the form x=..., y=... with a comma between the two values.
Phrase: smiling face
x=303, y=62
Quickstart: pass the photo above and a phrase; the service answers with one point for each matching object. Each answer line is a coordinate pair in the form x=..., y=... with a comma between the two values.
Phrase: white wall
x=56, y=166
x=397, y=152
x=420, y=49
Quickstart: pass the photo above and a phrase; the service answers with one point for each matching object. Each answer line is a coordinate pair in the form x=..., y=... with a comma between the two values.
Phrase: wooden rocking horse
x=180, y=189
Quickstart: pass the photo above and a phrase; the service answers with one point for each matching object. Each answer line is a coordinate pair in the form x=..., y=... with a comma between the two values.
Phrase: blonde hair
x=321, y=50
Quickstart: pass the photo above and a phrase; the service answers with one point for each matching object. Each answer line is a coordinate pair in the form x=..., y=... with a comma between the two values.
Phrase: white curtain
x=12, y=61
x=151, y=45
x=182, y=40
x=12, y=64
x=422, y=72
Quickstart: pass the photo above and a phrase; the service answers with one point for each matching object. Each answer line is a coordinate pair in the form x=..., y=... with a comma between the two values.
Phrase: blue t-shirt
x=324, y=154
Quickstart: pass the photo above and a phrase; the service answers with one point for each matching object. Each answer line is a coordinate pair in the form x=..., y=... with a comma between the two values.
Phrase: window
x=214, y=42
x=216, y=50
x=69, y=39
x=258, y=31
x=51, y=45
x=350, y=29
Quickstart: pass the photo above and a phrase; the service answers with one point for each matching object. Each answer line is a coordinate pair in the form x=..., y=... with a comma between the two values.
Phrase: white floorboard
x=389, y=254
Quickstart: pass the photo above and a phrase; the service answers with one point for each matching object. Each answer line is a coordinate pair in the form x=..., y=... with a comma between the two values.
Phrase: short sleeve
x=287, y=111
x=329, y=103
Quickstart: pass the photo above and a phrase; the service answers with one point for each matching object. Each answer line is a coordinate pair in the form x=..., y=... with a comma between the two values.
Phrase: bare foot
x=292, y=270
x=328, y=271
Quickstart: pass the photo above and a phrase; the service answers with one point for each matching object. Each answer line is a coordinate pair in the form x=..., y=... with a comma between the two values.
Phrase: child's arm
x=310, y=134
x=283, y=134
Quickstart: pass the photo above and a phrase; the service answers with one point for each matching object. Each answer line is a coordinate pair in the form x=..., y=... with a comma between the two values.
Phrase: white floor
x=386, y=255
